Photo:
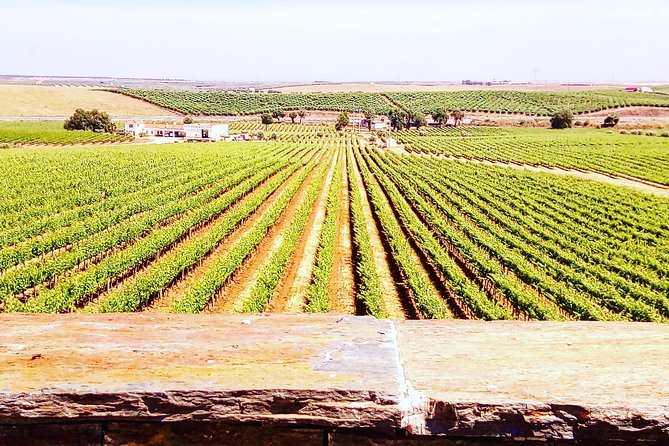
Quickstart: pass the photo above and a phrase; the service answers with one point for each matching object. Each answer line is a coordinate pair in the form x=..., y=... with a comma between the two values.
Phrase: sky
x=374, y=40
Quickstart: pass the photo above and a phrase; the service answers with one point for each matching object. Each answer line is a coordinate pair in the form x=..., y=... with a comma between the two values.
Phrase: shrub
x=636, y=132
x=623, y=132
x=342, y=121
x=260, y=135
x=266, y=119
x=319, y=134
x=586, y=123
x=650, y=133
x=611, y=120
x=562, y=119
x=422, y=132
x=664, y=134
x=273, y=137
x=578, y=123
x=188, y=120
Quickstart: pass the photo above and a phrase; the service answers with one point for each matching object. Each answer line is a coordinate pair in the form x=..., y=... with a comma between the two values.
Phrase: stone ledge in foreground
x=565, y=382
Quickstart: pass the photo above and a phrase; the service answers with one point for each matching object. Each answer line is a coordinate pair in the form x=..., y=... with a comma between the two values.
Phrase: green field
x=226, y=227
x=51, y=132
x=219, y=103
x=645, y=157
x=518, y=102
x=528, y=103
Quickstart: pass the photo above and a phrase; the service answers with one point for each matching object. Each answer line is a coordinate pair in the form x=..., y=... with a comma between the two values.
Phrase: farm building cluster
x=182, y=132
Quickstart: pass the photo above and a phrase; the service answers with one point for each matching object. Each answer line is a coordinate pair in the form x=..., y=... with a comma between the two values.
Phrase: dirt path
x=341, y=293
x=389, y=292
x=120, y=282
x=616, y=180
x=232, y=296
x=169, y=296
x=291, y=294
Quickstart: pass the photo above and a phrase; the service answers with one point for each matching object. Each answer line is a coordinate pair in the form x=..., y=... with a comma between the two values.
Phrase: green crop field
x=640, y=156
x=518, y=102
x=521, y=102
x=52, y=132
x=319, y=221
x=219, y=103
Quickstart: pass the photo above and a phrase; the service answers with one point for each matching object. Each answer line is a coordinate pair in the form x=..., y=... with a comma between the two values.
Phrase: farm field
x=489, y=101
x=318, y=221
x=639, y=156
x=524, y=102
x=219, y=103
x=46, y=101
x=51, y=132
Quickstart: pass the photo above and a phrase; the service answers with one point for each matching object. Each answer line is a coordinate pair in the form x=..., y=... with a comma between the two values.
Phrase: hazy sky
x=341, y=41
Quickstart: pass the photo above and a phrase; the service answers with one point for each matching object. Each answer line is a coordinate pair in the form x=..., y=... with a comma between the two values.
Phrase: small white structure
x=188, y=132
x=206, y=132
x=379, y=124
x=391, y=142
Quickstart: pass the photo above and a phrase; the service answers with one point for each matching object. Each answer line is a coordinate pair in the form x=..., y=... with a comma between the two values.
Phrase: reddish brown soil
x=389, y=291
x=342, y=283
x=169, y=296
x=645, y=112
x=231, y=297
x=291, y=294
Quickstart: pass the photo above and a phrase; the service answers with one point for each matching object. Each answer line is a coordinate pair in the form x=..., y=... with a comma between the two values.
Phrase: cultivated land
x=532, y=103
x=45, y=101
x=381, y=87
x=50, y=133
x=321, y=221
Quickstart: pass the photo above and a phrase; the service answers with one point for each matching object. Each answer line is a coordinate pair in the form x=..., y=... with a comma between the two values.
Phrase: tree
x=369, y=116
x=457, y=116
x=397, y=119
x=411, y=116
x=266, y=119
x=278, y=114
x=419, y=121
x=292, y=116
x=342, y=121
x=440, y=116
x=188, y=120
x=90, y=120
x=611, y=121
x=562, y=119
x=302, y=114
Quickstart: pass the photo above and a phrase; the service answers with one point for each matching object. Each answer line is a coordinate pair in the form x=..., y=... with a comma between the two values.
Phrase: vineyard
x=41, y=133
x=527, y=103
x=637, y=156
x=219, y=103
x=312, y=223
x=517, y=102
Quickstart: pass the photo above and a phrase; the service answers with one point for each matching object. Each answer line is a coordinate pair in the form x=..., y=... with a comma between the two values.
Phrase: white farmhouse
x=185, y=132
x=206, y=132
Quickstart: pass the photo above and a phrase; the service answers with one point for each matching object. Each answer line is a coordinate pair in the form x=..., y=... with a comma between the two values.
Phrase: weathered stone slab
x=321, y=370
x=580, y=380
x=51, y=435
x=589, y=382
x=208, y=434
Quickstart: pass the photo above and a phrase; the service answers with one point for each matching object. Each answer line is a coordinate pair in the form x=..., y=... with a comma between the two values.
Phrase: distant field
x=51, y=132
x=529, y=103
x=488, y=101
x=645, y=157
x=27, y=101
x=217, y=103
x=378, y=87
x=323, y=222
